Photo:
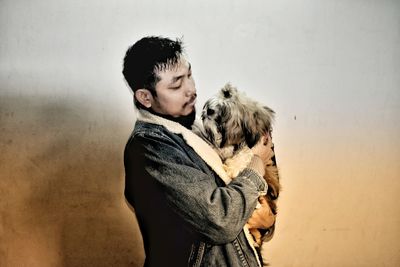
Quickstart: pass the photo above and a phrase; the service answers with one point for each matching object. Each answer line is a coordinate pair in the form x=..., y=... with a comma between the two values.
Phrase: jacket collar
x=204, y=150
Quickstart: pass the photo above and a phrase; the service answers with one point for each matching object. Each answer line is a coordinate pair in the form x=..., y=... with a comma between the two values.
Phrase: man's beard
x=186, y=121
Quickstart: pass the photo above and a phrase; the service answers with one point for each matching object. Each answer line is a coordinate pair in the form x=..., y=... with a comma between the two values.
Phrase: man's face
x=176, y=92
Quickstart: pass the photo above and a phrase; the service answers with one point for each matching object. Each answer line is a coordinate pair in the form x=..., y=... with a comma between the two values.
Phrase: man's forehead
x=181, y=63
x=174, y=70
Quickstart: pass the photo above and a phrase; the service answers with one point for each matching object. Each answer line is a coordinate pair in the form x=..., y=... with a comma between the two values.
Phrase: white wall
x=330, y=70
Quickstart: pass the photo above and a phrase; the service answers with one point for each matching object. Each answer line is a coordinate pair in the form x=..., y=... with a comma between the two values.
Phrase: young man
x=189, y=212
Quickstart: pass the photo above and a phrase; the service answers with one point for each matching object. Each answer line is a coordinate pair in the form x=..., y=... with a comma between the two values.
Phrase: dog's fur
x=233, y=123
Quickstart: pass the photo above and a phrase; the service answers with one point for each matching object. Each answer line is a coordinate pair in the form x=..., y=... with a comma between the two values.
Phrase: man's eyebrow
x=177, y=78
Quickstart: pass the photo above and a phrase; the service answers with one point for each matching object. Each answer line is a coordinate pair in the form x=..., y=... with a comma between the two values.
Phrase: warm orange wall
x=62, y=186
x=339, y=203
x=62, y=192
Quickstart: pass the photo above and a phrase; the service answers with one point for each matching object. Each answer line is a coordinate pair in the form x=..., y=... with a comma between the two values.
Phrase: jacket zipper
x=199, y=254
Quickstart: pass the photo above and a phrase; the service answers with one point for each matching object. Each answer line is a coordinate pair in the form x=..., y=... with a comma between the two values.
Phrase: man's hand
x=262, y=218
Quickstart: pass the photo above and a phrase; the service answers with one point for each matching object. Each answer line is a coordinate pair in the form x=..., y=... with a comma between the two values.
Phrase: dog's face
x=231, y=118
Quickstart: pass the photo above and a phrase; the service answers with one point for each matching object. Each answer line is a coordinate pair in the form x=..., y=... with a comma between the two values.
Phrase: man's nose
x=190, y=88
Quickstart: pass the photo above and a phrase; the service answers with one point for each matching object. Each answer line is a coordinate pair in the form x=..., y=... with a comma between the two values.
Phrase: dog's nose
x=210, y=111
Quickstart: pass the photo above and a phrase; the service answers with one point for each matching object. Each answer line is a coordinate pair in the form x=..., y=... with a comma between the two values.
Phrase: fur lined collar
x=201, y=147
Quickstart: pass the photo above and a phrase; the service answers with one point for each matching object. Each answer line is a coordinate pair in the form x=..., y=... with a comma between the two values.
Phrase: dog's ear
x=266, y=119
x=270, y=112
x=223, y=136
x=223, y=115
x=256, y=124
x=210, y=135
x=250, y=137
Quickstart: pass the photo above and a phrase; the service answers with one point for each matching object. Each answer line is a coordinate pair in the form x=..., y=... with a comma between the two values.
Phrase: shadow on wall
x=62, y=184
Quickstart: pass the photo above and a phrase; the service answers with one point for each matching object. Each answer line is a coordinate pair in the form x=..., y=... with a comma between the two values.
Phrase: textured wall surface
x=61, y=187
x=330, y=70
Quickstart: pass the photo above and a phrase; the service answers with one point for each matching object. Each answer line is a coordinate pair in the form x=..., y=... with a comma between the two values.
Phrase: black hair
x=147, y=56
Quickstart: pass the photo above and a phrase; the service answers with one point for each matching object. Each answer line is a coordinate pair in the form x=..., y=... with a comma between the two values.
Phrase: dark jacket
x=187, y=214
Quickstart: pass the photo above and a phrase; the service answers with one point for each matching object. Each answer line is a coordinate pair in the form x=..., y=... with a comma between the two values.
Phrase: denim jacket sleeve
x=216, y=212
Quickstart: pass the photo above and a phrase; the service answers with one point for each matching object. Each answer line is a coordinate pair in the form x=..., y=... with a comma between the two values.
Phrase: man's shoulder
x=151, y=132
x=148, y=129
x=154, y=139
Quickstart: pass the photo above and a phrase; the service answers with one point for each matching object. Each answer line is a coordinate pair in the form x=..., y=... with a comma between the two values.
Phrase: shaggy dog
x=233, y=123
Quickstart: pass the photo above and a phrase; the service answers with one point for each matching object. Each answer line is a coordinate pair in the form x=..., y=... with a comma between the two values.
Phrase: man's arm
x=216, y=213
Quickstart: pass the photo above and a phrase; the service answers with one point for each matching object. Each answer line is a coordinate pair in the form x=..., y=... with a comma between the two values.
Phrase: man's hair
x=146, y=57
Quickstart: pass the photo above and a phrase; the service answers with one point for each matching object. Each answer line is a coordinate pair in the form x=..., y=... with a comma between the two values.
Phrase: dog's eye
x=210, y=111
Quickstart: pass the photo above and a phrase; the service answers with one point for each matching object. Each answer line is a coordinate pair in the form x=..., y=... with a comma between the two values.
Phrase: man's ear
x=144, y=97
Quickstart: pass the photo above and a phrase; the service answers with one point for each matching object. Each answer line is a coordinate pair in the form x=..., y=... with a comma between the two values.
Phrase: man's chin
x=188, y=120
x=192, y=110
